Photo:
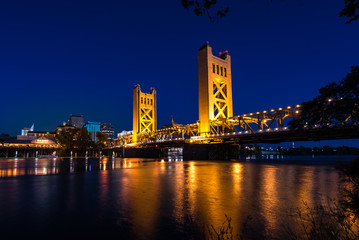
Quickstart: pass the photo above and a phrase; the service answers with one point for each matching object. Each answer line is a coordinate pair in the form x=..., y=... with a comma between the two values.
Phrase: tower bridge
x=216, y=124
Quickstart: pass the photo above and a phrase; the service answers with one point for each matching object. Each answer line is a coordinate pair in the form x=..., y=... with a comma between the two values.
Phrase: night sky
x=84, y=57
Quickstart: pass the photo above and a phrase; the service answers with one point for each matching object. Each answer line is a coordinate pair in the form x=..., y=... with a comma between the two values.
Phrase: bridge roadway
x=259, y=127
x=258, y=137
x=227, y=145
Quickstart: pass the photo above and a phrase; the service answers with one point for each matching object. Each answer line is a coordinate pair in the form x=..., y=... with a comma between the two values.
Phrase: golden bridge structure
x=216, y=124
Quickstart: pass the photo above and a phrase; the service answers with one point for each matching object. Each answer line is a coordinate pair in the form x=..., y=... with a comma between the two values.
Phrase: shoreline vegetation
x=329, y=220
x=299, y=151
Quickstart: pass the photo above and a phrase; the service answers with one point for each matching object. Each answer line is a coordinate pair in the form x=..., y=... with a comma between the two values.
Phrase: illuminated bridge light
x=298, y=106
x=279, y=108
x=272, y=110
x=289, y=107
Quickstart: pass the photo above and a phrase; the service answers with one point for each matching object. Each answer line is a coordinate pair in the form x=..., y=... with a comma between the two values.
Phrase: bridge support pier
x=221, y=151
x=149, y=152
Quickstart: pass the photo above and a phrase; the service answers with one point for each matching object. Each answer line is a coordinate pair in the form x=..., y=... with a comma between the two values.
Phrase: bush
x=329, y=221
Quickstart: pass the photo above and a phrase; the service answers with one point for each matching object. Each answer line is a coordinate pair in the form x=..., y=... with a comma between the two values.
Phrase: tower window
x=217, y=69
x=214, y=68
x=141, y=99
x=225, y=72
x=221, y=71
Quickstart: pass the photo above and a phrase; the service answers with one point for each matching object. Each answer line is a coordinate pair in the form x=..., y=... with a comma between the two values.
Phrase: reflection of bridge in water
x=216, y=124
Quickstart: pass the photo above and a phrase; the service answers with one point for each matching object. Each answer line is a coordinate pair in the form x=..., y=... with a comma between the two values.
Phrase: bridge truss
x=274, y=120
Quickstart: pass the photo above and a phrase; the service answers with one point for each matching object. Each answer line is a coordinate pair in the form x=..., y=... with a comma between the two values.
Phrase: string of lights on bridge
x=295, y=109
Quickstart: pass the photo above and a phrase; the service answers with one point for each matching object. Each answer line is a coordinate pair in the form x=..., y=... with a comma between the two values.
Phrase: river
x=158, y=198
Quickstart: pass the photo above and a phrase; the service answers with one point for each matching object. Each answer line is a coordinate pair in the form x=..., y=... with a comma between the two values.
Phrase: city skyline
x=89, y=68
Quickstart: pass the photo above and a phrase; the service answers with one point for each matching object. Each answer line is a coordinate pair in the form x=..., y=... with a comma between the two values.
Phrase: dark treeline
x=78, y=141
x=325, y=150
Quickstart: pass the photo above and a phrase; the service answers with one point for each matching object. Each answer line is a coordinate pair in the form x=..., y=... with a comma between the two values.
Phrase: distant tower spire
x=172, y=119
x=32, y=127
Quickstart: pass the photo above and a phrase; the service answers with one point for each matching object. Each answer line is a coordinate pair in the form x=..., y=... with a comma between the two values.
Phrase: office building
x=76, y=121
x=93, y=128
x=109, y=130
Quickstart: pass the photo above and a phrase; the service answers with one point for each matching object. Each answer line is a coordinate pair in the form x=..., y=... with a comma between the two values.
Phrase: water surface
x=154, y=198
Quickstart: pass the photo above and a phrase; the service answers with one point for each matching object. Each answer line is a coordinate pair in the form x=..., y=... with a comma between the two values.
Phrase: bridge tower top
x=144, y=111
x=215, y=87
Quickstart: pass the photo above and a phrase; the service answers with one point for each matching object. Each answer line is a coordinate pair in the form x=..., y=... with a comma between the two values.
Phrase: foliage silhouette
x=214, y=11
x=205, y=7
x=326, y=221
x=337, y=105
x=350, y=10
x=350, y=178
x=79, y=141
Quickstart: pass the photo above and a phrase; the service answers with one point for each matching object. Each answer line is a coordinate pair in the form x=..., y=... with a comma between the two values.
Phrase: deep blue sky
x=84, y=57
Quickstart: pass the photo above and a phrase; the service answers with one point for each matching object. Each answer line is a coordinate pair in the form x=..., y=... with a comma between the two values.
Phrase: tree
x=102, y=140
x=214, y=11
x=337, y=105
x=78, y=140
x=204, y=7
x=82, y=139
x=350, y=10
x=66, y=138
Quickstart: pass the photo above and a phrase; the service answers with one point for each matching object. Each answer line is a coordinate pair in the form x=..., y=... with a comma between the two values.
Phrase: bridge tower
x=144, y=111
x=215, y=87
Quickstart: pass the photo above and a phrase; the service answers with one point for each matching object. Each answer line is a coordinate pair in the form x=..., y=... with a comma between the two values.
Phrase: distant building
x=93, y=128
x=64, y=127
x=124, y=133
x=24, y=131
x=25, y=134
x=8, y=141
x=28, y=134
x=109, y=130
x=76, y=121
x=41, y=134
